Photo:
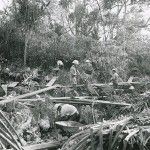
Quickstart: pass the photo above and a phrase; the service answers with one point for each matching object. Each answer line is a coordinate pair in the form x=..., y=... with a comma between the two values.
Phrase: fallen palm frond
x=87, y=135
x=8, y=134
x=11, y=128
x=128, y=137
x=109, y=136
x=9, y=142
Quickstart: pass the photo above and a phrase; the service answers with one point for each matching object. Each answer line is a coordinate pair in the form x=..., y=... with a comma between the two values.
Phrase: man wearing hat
x=88, y=70
x=115, y=78
x=74, y=72
x=60, y=64
x=59, y=67
x=65, y=112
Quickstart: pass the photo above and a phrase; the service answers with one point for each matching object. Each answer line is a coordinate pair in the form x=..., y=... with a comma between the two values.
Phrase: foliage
x=81, y=32
x=115, y=135
x=65, y=3
x=27, y=14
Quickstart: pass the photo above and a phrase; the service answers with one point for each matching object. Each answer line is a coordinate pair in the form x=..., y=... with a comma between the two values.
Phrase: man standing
x=88, y=70
x=60, y=64
x=59, y=67
x=27, y=74
x=6, y=75
x=115, y=79
x=74, y=72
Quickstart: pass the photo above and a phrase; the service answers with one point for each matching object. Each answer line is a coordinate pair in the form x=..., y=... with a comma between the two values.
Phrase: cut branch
x=27, y=95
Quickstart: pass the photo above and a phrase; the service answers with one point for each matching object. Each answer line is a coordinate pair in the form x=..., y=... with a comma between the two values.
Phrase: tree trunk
x=27, y=37
x=25, y=51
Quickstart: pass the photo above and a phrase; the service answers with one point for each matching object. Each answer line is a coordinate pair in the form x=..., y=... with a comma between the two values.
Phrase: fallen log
x=103, y=85
x=87, y=102
x=42, y=146
x=78, y=100
x=55, y=98
x=119, y=84
x=27, y=95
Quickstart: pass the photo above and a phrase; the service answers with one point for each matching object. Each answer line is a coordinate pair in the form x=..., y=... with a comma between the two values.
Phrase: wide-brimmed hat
x=88, y=61
x=60, y=63
x=76, y=62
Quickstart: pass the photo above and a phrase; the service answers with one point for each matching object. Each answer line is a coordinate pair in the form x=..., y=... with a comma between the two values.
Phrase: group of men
x=69, y=112
x=88, y=72
x=65, y=111
x=74, y=73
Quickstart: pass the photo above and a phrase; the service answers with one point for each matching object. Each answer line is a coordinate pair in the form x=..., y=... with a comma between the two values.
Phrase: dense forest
x=111, y=33
x=75, y=75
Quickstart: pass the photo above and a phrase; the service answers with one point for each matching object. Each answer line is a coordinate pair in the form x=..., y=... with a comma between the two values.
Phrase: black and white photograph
x=74, y=74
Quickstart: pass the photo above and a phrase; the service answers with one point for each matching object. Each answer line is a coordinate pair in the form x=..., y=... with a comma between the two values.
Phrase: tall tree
x=27, y=15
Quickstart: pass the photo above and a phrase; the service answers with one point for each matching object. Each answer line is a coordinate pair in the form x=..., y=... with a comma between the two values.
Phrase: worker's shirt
x=88, y=69
x=35, y=73
x=57, y=71
x=66, y=110
x=73, y=75
x=73, y=71
x=115, y=78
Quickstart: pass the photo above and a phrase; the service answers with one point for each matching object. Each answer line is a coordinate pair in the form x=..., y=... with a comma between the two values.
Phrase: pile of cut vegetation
x=121, y=134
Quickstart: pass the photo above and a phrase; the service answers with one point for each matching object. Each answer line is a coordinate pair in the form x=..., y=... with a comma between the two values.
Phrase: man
x=59, y=67
x=66, y=112
x=134, y=76
x=35, y=75
x=88, y=70
x=27, y=73
x=60, y=64
x=27, y=76
x=115, y=79
x=74, y=72
x=6, y=75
